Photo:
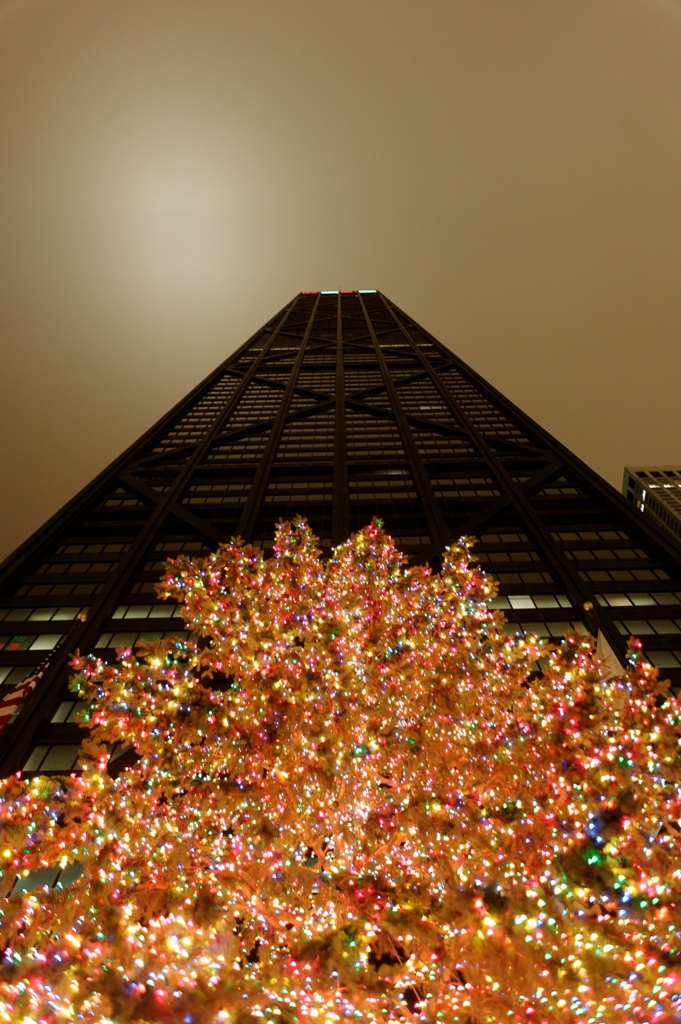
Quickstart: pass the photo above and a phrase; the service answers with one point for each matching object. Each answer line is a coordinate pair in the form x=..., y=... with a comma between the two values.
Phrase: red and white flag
x=16, y=697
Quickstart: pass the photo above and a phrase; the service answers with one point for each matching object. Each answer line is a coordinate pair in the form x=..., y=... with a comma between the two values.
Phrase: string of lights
x=352, y=794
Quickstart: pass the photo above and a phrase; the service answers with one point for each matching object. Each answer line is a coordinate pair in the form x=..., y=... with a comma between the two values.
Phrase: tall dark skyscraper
x=341, y=408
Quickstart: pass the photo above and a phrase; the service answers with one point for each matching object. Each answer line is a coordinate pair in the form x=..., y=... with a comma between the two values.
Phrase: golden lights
x=355, y=798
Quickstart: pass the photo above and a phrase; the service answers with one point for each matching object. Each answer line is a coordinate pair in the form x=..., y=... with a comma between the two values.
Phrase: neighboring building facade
x=340, y=408
x=656, y=491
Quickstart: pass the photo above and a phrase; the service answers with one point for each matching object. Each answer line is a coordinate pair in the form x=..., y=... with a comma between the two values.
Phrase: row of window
x=258, y=395
x=623, y=575
x=365, y=447
x=202, y=416
x=59, y=568
x=421, y=398
x=12, y=675
x=380, y=400
x=590, y=535
x=411, y=540
x=662, y=598
x=508, y=578
x=121, y=499
x=642, y=627
x=179, y=545
x=521, y=602
x=554, y=630
x=312, y=447
x=459, y=482
x=316, y=380
x=479, y=409
x=48, y=878
x=194, y=500
x=664, y=659
x=509, y=556
x=227, y=488
x=92, y=549
x=238, y=451
x=504, y=537
x=667, y=495
x=299, y=403
x=59, y=590
x=361, y=427
x=557, y=630
x=362, y=379
x=314, y=493
x=68, y=711
x=117, y=640
x=467, y=494
x=24, y=642
x=261, y=406
x=352, y=355
x=58, y=757
x=298, y=487
x=432, y=445
x=146, y=611
x=397, y=488
x=40, y=614
x=604, y=554
x=659, y=511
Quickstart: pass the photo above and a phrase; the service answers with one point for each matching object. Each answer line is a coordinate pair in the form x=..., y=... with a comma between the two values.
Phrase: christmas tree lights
x=353, y=797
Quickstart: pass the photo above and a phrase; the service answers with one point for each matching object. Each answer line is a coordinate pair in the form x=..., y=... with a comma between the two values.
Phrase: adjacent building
x=340, y=408
x=656, y=491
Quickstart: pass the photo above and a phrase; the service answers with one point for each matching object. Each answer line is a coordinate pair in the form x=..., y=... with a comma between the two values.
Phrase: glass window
x=41, y=614
x=35, y=758
x=638, y=627
x=667, y=625
x=66, y=613
x=540, y=628
x=17, y=674
x=68, y=710
x=44, y=878
x=18, y=642
x=69, y=875
x=61, y=757
x=20, y=614
x=663, y=659
x=46, y=642
x=546, y=601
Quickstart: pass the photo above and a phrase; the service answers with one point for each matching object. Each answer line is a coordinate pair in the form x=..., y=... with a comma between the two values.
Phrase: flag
x=16, y=697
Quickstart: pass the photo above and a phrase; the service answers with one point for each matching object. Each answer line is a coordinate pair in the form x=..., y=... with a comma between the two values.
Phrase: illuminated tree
x=354, y=796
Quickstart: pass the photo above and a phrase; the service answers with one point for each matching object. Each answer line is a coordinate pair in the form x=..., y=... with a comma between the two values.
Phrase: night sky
x=172, y=172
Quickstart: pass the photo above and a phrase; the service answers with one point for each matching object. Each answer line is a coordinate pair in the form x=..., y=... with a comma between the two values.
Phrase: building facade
x=656, y=491
x=340, y=408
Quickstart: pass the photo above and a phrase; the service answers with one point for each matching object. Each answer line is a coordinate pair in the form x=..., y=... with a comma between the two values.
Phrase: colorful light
x=355, y=798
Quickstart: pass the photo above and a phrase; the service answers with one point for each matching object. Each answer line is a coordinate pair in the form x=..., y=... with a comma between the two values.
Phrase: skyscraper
x=656, y=491
x=339, y=409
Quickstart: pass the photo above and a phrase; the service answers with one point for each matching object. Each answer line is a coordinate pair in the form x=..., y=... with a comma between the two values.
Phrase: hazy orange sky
x=173, y=171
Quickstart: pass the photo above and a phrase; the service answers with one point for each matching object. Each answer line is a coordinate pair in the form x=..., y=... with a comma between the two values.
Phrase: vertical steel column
x=439, y=533
x=340, y=528
x=257, y=492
